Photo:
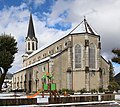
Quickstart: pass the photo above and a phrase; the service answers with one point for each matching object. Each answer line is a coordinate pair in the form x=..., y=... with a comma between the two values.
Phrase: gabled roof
x=31, y=32
x=83, y=27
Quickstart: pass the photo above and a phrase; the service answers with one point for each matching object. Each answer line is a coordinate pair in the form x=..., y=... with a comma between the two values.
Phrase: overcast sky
x=55, y=18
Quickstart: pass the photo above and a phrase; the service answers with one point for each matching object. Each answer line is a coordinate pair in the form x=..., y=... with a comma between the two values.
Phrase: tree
x=116, y=58
x=113, y=86
x=111, y=72
x=8, y=48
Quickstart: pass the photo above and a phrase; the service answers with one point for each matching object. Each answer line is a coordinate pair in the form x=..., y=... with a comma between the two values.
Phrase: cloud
x=14, y=21
x=60, y=11
x=102, y=15
x=35, y=3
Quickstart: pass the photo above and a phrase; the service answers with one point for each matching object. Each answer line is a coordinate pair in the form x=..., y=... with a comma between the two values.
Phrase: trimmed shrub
x=62, y=91
x=94, y=91
x=83, y=91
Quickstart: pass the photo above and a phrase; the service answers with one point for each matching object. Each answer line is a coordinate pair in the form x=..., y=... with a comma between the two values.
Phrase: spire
x=31, y=40
x=31, y=32
x=83, y=27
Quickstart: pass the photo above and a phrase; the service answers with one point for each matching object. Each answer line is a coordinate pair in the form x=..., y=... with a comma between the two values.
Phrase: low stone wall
x=74, y=99
x=18, y=101
x=57, y=100
x=107, y=97
x=70, y=99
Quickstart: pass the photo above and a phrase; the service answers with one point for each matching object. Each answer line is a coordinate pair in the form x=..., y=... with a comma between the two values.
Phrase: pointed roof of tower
x=84, y=27
x=31, y=32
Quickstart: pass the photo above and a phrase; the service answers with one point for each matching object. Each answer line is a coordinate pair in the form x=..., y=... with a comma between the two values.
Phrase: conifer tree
x=111, y=72
x=113, y=85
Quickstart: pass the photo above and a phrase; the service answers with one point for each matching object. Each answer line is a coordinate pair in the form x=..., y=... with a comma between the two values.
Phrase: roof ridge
x=83, y=27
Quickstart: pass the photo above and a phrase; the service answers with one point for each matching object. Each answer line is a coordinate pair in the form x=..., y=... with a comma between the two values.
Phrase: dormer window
x=39, y=58
x=45, y=55
x=52, y=51
x=66, y=43
x=57, y=48
x=33, y=60
x=49, y=52
x=29, y=62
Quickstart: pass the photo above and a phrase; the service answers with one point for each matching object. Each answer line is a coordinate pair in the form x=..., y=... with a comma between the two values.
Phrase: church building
x=75, y=61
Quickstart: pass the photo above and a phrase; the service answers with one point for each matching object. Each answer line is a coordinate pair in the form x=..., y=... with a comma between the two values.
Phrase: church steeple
x=31, y=40
x=31, y=32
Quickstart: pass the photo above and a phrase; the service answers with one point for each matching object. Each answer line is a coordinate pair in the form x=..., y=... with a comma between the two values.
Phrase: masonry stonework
x=69, y=61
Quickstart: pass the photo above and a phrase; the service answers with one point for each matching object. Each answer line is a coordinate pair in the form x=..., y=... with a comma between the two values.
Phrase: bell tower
x=31, y=40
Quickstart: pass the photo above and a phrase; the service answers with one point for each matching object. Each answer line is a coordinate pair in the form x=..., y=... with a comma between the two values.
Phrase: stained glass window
x=77, y=56
x=92, y=56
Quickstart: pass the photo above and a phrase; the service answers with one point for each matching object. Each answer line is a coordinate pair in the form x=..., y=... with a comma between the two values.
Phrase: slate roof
x=84, y=27
x=31, y=32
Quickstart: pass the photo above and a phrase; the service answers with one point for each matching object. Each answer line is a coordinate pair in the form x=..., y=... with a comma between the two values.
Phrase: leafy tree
x=111, y=72
x=113, y=86
x=116, y=58
x=8, y=48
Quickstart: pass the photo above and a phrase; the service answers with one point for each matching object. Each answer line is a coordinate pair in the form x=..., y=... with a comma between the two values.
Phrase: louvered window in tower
x=33, y=47
x=92, y=56
x=28, y=45
x=77, y=56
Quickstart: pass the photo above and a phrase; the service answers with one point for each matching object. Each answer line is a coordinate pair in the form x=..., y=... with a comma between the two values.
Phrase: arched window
x=33, y=47
x=28, y=45
x=77, y=56
x=92, y=56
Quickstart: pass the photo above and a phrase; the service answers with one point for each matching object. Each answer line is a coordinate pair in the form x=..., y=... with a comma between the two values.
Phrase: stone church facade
x=74, y=60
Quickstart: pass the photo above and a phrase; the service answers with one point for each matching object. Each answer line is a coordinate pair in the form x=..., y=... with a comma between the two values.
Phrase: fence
x=74, y=99
x=17, y=101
